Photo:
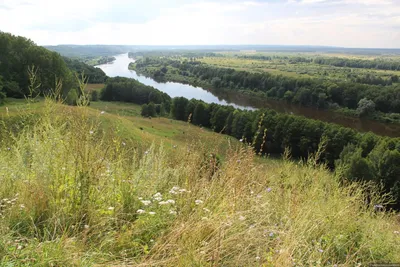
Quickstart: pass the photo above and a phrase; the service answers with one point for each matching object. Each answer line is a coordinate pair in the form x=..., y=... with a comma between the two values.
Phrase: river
x=119, y=67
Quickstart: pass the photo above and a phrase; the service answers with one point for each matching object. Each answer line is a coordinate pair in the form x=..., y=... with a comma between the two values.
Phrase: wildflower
x=152, y=213
x=258, y=258
x=269, y=189
x=396, y=232
x=204, y=218
x=161, y=203
x=241, y=140
x=91, y=132
x=151, y=240
x=102, y=112
x=378, y=207
x=182, y=190
x=22, y=206
x=157, y=196
x=8, y=148
x=171, y=201
x=259, y=196
x=19, y=247
x=238, y=161
x=146, y=152
x=140, y=211
x=198, y=202
x=146, y=202
x=174, y=190
x=320, y=250
x=251, y=192
x=242, y=218
x=110, y=208
x=140, y=198
x=271, y=234
x=206, y=210
x=172, y=212
x=86, y=226
x=123, y=143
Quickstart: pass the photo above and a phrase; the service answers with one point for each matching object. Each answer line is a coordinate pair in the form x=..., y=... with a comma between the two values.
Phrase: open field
x=284, y=67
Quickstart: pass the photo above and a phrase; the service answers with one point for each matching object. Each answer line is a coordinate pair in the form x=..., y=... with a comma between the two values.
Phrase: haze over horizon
x=341, y=23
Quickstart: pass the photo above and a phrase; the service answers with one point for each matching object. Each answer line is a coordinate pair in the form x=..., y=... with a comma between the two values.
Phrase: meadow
x=102, y=186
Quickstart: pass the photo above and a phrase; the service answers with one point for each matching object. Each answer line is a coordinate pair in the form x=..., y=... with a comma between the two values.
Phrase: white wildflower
x=110, y=208
x=146, y=202
x=172, y=212
x=102, y=112
x=242, y=218
x=140, y=211
x=396, y=232
x=258, y=258
x=198, y=202
x=91, y=132
x=152, y=213
x=171, y=201
x=86, y=226
x=19, y=247
x=206, y=210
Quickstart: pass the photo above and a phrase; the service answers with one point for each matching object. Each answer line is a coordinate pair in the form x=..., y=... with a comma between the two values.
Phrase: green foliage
x=17, y=54
x=129, y=90
x=145, y=110
x=94, y=96
x=365, y=107
x=305, y=91
x=94, y=75
x=72, y=97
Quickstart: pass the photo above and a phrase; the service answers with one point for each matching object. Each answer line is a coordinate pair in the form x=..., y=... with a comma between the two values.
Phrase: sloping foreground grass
x=74, y=193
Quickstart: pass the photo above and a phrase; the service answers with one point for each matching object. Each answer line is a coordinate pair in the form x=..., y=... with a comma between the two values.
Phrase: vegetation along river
x=119, y=67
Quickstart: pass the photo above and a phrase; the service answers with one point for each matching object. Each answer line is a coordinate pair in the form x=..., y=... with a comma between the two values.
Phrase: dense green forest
x=17, y=54
x=94, y=75
x=20, y=58
x=357, y=156
x=318, y=93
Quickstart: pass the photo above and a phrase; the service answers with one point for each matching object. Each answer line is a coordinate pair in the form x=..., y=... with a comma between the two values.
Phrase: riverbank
x=258, y=100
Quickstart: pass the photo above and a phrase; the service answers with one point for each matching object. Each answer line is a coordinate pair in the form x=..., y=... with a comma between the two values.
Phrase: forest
x=358, y=157
x=20, y=58
x=319, y=93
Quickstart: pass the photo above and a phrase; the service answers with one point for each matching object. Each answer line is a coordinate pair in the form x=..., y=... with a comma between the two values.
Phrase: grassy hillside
x=82, y=187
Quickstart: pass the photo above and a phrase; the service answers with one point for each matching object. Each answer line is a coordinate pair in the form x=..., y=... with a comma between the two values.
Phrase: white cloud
x=353, y=23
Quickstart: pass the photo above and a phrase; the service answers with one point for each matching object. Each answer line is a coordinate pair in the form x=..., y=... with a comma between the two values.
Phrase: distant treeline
x=379, y=64
x=304, y=91
x=173, y=53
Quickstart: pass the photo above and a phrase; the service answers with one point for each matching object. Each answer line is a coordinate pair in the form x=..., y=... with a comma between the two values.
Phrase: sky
x=344, y=23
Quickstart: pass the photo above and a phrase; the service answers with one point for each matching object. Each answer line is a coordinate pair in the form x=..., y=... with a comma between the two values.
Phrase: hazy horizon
x=334, y=23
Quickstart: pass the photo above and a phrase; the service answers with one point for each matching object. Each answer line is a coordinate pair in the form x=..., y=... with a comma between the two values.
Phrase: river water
x=120, y=68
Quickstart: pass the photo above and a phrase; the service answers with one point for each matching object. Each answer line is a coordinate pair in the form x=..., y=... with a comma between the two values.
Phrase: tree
x=151, y=110
x=365, y=107
x=72, y=97
x=94, y=96
x=145, y=110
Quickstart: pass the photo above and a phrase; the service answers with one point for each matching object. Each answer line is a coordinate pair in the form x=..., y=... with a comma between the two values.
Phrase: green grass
x=85, y=188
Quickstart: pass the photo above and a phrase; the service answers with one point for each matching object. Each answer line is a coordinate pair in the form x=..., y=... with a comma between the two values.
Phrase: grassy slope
x=73, y=182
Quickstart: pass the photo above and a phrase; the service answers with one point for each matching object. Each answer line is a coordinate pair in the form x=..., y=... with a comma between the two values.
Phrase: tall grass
x=75, y=194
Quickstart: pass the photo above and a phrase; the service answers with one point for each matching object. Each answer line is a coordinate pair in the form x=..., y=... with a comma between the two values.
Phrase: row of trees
x=358, y=156
x=304, y=91
x=130, y=90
